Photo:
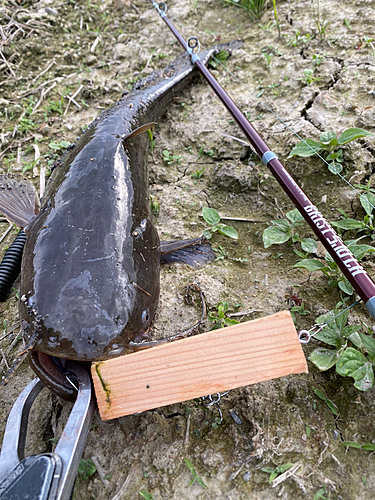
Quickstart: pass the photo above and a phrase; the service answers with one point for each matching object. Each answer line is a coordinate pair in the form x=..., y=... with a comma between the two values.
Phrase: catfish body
x=90, y=270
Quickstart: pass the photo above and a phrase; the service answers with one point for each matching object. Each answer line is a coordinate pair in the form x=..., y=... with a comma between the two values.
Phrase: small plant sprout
x=268, y=57
x=327, y=146
x=198, y=174
x=86, y=468
x=277, y=470
x=308, y=77
x=147, y=496
x=366, y=225
x=267, y=26
x=29, y=165
x=331, y=269
x=219, y=317
x=152, y=141
x=298, y=39
x=358, y=446
x=276, y=17
x=321, y=24
x=204, y=151
x=58, y=146
x=254, y=8
x=331, y=405
x=318, y=59
x=213, y=219
x=154, y=204
x=319, y=495
x=54, y=107
x=282, y=230
x=168, y=158
x=219, y=59
x=199, y=480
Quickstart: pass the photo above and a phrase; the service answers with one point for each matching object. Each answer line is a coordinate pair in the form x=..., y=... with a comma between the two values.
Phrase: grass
x=254, y=8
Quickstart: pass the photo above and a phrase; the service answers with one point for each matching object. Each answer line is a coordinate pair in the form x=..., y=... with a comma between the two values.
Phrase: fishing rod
x=348, y=264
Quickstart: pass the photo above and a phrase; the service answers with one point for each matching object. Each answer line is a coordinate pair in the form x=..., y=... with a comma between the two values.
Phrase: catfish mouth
x=56, y=374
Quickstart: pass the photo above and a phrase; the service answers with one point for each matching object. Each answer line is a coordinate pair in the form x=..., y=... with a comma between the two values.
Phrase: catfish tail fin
x=19, y=200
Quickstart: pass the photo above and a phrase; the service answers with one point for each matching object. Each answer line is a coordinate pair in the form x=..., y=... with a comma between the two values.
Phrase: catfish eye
x=145, y=316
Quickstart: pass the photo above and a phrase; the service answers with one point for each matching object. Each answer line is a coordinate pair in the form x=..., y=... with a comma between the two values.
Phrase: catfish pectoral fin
x=19, y=200
x=195, y=252
x=139, y=130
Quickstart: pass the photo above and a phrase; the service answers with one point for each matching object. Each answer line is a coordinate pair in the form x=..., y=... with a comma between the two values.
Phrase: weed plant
x=254, y=8
x=328, y=145
x=357, y=362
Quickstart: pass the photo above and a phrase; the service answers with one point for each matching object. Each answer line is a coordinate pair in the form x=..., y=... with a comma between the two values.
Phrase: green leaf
x=268, y=470
x=351, y=134
x=319, y=495
x=220, y=312
x=229, y=321
x=190, y=466
x=330, y=335
x=224, y=305
x=354, y=364
x=319, y=393
x=305, y=149
x=323, y=359
x=331, y=405
x=146, y=495
x=200, y=482
x=359, y=251
x=328, y=138
x=324, y=318
x=369, y=344
x=274, y=236
x=284, y=467
x=282, y=224
x=310, y=265
x=368, y=446
x=229, y=231
x=335, y=168
x=210, y=216
x=348, y=224
x=295, y=216
x=352, y=444
x=368, y=202
x=273, y=476
x=349, y=330
x=341, y=319
x=356, y=340
x=346, y=287
x=86, y=468
x=221, y=57
x=207, y=234
x=309, y=245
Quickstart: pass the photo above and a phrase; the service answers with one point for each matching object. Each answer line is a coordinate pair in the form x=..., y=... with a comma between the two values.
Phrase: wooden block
x=216, y=361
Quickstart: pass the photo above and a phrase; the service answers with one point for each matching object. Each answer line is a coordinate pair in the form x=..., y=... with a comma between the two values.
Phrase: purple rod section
x=350, y=267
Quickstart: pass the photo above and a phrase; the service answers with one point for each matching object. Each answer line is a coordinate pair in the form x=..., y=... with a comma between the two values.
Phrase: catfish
x=90, y=268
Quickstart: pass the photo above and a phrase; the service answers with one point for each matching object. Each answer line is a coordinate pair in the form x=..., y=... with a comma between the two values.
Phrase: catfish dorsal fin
x=139, y=130
x=18, y=200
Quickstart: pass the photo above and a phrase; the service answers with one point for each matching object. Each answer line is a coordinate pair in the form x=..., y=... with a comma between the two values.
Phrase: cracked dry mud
x=104, y=46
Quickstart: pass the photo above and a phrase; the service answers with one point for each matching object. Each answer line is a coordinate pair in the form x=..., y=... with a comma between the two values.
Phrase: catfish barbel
x=90, y=269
